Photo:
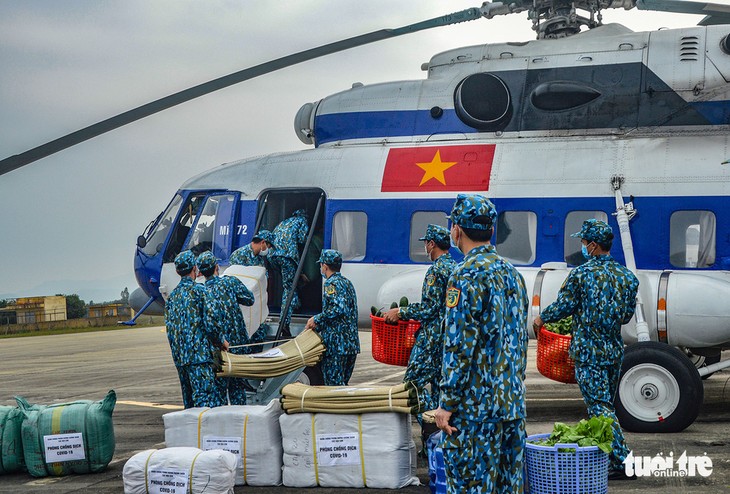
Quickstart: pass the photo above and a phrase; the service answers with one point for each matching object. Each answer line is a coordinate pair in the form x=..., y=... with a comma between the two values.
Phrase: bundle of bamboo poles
x=303, y=351
x=300, y=398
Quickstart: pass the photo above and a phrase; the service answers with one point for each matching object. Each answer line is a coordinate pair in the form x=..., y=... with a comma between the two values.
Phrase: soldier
x=337, y=323
x=424, y=364
x=224, y=294
x=482, y=412
x=253, y=254
x=601, y=296
x=192, y=341
x=288, y=236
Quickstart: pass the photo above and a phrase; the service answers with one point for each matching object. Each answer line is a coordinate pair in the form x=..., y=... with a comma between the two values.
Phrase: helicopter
x=555, y=131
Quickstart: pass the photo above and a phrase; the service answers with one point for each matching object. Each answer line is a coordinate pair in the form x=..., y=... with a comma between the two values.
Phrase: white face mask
x=264, y=252
x=454, y=243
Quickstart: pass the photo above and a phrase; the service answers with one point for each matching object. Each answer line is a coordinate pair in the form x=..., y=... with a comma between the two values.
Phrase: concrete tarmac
x=136, y=363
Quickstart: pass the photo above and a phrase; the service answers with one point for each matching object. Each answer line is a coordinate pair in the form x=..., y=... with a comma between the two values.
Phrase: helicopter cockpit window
x=156, y=239
x=573, y=222
x=212, y=229
x=419, y=221
x=182, y=227
x=516, y=236
x=692, y=239
x=350, y=234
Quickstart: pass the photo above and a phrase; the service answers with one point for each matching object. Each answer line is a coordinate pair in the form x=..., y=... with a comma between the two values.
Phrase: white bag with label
x=254, y=277
x=367, y=450
x=179, y=471
x=251, y=432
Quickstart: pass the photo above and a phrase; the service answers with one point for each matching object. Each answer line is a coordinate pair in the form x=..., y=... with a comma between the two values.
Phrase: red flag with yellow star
x=438, y=168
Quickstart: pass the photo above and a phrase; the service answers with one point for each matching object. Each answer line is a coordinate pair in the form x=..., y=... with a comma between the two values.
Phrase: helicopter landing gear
x=659, y=390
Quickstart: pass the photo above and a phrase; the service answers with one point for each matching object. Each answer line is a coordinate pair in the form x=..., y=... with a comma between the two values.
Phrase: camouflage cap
x=207, y=261
x=473, y=211
x=265, y=235
x=185, y=261
x=594, y=230
x=330, y=257
x=437, y=233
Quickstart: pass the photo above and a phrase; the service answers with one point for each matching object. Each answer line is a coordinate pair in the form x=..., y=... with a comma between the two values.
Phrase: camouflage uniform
x=485, y=356
x=424, y=364
x=223, y=296
x=245, y=256
x=288, y=235
x=337, y=324
x=192, y=341
x=601, y=296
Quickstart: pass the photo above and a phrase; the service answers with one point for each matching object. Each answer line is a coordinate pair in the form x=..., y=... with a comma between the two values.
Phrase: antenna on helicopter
x=14, y=162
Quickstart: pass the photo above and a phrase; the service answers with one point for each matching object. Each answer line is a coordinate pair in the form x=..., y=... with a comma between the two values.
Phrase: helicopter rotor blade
x=16, y=161
x=716, y=13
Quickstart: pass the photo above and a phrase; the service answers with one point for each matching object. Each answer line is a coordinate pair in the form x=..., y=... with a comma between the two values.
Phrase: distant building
x=29, y=310
x=110, y=310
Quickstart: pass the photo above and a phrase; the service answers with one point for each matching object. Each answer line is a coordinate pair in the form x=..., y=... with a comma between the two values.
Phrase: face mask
x=264, y=252
x=584, y=251
x=454, y=243
x=428, y=252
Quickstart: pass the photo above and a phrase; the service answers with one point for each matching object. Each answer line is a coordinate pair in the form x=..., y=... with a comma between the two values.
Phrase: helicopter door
x=214, y=227
x=274, y=207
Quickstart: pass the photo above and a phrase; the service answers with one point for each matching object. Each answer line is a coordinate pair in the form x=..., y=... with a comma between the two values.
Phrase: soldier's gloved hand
x=391, y=317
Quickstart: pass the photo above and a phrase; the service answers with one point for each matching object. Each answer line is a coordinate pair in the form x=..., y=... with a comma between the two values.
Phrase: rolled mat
x=300, y=398
x=303, y=351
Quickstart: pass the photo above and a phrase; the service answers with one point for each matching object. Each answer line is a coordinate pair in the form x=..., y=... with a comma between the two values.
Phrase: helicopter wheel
x=659, y=390
x=311, y=376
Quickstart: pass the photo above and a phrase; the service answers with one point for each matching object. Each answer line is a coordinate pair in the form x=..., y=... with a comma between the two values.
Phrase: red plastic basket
x=553, y=360
x=392, y=343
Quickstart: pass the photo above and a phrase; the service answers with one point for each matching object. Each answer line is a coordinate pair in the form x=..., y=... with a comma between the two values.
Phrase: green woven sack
x=76, y=437
x=11, y=445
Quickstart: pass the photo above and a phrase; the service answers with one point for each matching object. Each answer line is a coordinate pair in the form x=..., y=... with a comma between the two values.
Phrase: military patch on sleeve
x=452, y=297
x=330, y=290
x=430, y=280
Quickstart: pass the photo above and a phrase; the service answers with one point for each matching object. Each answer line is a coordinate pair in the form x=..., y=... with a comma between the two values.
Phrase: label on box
x=230, y=444
x=338, y=449
x=64, y=447
x=274, y=352
x=167, y=481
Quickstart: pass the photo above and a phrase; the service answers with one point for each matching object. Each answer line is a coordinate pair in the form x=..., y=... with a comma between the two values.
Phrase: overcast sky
x=66, y=64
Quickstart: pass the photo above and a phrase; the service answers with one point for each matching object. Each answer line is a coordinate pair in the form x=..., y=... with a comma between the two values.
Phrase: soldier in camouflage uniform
x=223, y=296
x=192, y=341
x=424, y=364
x=288, y=236
x=482, y=412
x=601, y=296
x=253, y=254
x=337, y=323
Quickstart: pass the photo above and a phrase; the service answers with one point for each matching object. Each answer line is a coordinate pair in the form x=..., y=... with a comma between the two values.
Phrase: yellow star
x=435, y=169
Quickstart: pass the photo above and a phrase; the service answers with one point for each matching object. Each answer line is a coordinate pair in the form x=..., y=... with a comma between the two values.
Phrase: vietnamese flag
x=438, y=168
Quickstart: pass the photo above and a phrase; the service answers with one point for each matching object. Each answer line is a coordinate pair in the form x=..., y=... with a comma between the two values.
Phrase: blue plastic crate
x=436, y=469
x=583, y=470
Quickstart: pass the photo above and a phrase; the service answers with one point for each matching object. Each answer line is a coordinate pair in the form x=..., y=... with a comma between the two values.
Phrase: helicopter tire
x=659, y=389
x=311, y=376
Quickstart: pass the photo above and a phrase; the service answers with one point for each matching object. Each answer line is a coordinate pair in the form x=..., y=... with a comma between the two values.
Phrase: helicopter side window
x=182, y=227
x=516, y=236
x=419, y=221
x=350, y=234
x=692, y=238
x=204, y=236
x=156, y=239
x=571, y=245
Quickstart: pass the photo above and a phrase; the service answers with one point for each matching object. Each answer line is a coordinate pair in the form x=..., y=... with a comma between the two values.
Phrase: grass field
x=143, y=323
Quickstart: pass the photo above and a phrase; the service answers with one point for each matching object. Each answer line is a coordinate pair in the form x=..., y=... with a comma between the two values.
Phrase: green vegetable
x=403, y=301
x=563, y=326
x=374, y=310
x=596, y=431
x=394, y=305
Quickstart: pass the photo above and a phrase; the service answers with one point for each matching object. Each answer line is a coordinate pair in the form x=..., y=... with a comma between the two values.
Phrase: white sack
x=150, y=470
x=372, y=449
x=254, y=277
x=251, y=432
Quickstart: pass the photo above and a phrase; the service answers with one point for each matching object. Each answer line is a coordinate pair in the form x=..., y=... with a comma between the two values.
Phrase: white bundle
x=367, y=450
x=178, y=470
x=254, y=277
x=251, y=432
